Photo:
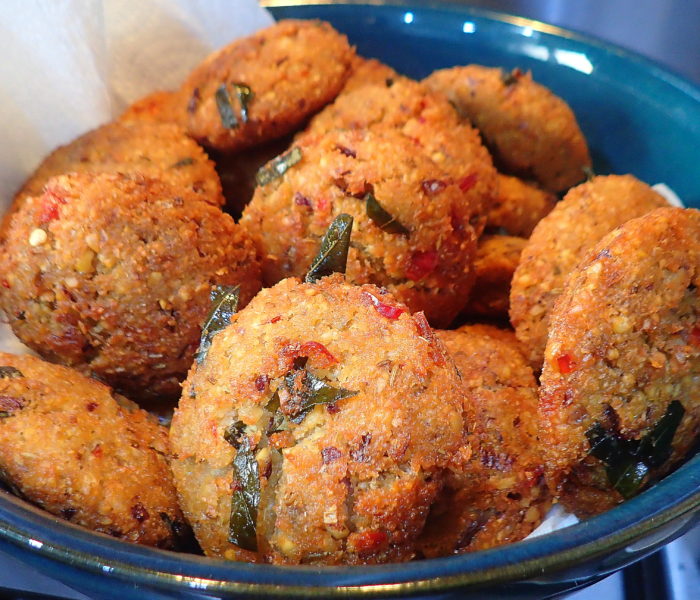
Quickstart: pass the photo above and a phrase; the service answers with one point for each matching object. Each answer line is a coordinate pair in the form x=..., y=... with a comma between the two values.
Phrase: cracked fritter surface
x=292, y=69
x=352, y=481
x=624, y=342
x=111, y=274
x=498, y=494
x=587, y=213
x=71, y=446
x=531, y=132
x=429, y=266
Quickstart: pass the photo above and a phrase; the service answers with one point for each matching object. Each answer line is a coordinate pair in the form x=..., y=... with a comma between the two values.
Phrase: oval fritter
x=518, y=206
x=71, y=446
x=496, y=259
x=498, y=494
x=429, y=121
x=265, y=86
x=334, y=413
x=411, y=232
x=111, y=274
x=620, y=401
x=559, y=242
x=531, y=132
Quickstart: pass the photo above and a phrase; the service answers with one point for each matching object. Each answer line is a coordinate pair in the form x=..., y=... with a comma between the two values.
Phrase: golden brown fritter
x=111, y=274
x=559, y=242
x=432, y=125
x=530, y=131
x=496, y=259
x=623, y=361
x=71, y=446
x=518, y=206
x=345, y=482
x=369, y=71
x=151, y=149
x=498, y=494
x=423, y=255
x=158, y=107
x=284, y=74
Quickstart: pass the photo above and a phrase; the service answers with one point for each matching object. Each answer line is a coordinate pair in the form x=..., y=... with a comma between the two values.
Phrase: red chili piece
x=421, y=264
x=694, y=337
x=426, y=332
x=275, y=319
x=97, y=451
x=386, y=310
x=91, y=406
x=468, y=182
x=433, y=186
x=49, y=206
x=6, y=284
x=565, y=364
x=317, y=350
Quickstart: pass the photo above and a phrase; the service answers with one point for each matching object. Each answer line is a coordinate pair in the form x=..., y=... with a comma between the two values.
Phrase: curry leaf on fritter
x=224, y=305
x=333, y=255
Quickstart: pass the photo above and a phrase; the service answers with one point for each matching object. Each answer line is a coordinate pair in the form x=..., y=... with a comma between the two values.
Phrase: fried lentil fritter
x=518, y=206
x=152, y=149
x=265, y=86
x=111, y=274
x=623, y=362
x=498, y=495
x=530, y=131
x=343, y=407
x=432, y=125
x=411, y=232
x=496, y=259
x=71, y=446
x=559, y=242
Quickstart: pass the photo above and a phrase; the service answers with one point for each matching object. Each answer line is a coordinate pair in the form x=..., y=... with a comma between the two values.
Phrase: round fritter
x=111, y=274
x=152, y=149
x=158, y=107
x=237, y=171
x=265, y=86
x=71, y=446
x=496, y=259
x=421, y=247
x=369, y=71
x=531, y=132
x=518, y=206
x=498, y=496
x=622, y=362
x=432, y=125
x=559, y=242
x=344, y=410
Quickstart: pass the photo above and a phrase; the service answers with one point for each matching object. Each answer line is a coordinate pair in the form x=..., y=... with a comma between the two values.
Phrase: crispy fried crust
x=559, y=242
x=354, y=480
x=430, y=268
x=531, y=132
x=152, y=149
x=497, y=257
x=111, y=274
x=518, y=206
x=498, y=494
x=369, y=71
x=293, y=69
x=157, y=107
x=624, y=342
x=70, y=446
x=431, y=123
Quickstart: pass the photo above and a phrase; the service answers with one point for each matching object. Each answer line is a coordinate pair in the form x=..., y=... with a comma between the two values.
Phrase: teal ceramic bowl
x=638, y=118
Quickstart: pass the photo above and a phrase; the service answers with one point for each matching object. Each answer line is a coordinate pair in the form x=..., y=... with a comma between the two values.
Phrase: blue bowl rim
x=32, y=529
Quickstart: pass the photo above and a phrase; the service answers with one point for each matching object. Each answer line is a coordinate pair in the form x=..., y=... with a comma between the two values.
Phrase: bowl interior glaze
x=638, y=118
